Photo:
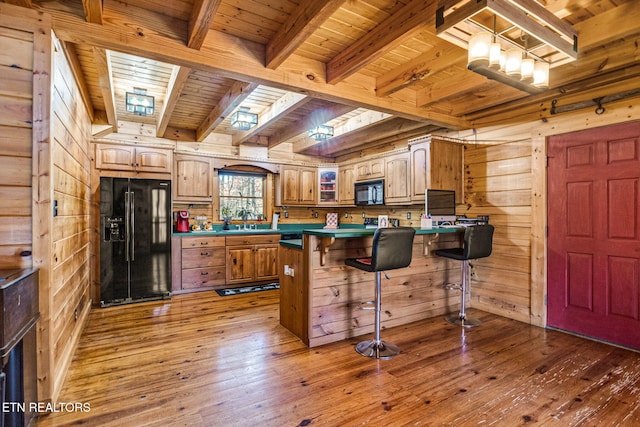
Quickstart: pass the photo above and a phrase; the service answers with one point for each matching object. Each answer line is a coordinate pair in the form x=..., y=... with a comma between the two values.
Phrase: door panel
x=150, y=265
x=594, y=233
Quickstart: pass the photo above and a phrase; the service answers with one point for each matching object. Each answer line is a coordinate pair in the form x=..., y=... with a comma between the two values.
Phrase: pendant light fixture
x=520, y=51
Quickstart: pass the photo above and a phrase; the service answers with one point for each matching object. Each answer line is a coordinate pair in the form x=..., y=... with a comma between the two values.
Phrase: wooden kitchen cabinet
x=252, y=258
x=297, y=185
x=436, y=164
x=370, y=169
x=192, y=179
x=202, y=263
x=134, y=159
x=328, y=186
x=346, y=178
x=397, y=179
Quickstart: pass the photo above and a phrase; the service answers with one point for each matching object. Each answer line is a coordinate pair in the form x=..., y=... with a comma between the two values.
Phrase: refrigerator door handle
x=127, y=224
x=133, y=226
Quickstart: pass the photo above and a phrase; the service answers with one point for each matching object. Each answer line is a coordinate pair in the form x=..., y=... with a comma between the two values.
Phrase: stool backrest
x=478, y=241
x=392, y=248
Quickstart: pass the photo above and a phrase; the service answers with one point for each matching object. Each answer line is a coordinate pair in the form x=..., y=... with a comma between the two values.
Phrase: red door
x=593, y=211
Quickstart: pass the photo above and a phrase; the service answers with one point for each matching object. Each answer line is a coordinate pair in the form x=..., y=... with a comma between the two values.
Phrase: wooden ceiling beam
x=538, y=106
x=178, y=78
x=443, y=56
x=238, y=59
x=93, y=11
x=200, y=21
x=460, y=82
x=23, y=3
x=103, y=68
x=361, y=137
x=70, y=53
x=289, y=102
x=317, y=117
x=615, y=24
x=238, y=92
x=392, y=32
x=347, y=153
x=345, y=130
x=303, y=22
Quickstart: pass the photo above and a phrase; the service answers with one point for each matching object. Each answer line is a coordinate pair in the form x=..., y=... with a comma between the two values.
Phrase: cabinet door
x=446, y=167
x=362, y=171
x=419, y=171
x=370, y=169
x=289, y=186
x=115, y=157
x=308, y=186
x=192, y=179
x=240, y=264
x=397, y=180
x=153, y=160
x=377, y=168
x=266, y=262
x=345, y=189
x=328, y=186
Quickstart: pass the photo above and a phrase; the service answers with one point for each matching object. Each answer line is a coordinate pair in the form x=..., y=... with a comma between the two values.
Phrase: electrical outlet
x=364, y=215
x=346, y=214
x=408, y=215
x=286, y=214
x=315, y=214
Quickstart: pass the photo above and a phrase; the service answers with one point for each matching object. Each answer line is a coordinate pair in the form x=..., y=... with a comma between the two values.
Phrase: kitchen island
x=321, y=299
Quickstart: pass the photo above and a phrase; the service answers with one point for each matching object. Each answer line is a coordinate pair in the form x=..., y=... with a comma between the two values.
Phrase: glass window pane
x=241, y=195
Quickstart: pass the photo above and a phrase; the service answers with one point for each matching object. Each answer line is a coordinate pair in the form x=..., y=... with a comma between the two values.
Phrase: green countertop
x=314, y=230
x=362, y=232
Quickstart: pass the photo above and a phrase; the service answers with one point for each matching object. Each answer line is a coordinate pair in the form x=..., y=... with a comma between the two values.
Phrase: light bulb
x=513, y=63
x=479, y=49
x=541, y=74
x=526, y=70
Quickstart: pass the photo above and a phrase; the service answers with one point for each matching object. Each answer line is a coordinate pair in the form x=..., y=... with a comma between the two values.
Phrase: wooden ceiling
x=370, y=68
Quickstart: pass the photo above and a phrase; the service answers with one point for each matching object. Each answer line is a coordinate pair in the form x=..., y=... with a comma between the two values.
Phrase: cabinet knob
x=204, y=243
x=204, y=253
x=204, y=273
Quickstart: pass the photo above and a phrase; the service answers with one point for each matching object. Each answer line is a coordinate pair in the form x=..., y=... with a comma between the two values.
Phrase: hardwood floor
x=205, y=360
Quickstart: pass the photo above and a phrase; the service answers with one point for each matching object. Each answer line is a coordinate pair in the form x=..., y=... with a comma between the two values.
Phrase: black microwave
x=369, y=193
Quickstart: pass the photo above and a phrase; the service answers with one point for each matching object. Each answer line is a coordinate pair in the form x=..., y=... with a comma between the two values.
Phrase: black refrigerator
x=135, y=245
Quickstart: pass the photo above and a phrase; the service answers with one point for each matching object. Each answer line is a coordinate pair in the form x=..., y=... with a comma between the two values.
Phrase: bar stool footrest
x=464, y=321
x=377, y=349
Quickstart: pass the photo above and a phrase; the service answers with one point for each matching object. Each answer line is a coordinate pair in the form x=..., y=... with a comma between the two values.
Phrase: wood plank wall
x=70, y=278
x=16, y=95
x=43, y=159
x=505, y=168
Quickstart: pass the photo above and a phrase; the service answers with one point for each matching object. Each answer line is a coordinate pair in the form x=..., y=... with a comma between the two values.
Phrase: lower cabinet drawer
x=193, y=278
x=203, y=257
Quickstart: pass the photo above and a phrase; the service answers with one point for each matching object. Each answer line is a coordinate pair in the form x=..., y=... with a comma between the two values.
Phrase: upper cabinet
x=370, y=169
x=436, y=164
x=297, y=185
x=192, y=179
x=134, y=159
x=328, y=186
x=397, y=179
x=346, y=177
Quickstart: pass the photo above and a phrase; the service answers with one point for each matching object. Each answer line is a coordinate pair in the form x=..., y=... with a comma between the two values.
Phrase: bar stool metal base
x=377, y=349
x=464, y=321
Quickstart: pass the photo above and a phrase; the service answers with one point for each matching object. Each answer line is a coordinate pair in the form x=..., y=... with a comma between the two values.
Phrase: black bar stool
x=478, y=242
x=392, y=248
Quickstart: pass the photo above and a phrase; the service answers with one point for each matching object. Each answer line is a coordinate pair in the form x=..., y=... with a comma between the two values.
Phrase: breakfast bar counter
x=321, y=298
